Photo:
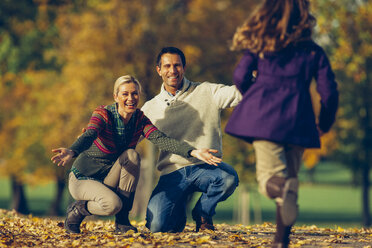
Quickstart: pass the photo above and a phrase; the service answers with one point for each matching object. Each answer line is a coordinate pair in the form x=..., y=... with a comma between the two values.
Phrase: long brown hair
x=274, y=25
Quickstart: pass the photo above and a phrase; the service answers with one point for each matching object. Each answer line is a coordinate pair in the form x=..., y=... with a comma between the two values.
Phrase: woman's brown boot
x=122, y=223
x=281, y=239
x=284, y=191
x=76, y=213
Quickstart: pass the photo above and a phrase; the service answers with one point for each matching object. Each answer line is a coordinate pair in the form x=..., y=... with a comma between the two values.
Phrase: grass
x=323, y=206
x=331, y=200
x=328, y=173
x=328, y=202
x=39, y=197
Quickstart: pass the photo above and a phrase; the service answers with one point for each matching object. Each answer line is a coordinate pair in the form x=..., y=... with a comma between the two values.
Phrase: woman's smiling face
x=127, y=98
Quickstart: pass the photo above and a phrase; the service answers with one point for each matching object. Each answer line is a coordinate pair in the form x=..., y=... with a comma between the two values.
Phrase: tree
x=25, y=34
x=328, y=141
x=349, y=43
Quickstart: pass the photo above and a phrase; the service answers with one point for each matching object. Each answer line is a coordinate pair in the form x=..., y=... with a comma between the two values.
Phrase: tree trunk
x=257, y=209
x=365, y=195
x=19, y=202
x=311, y=174
x=355, y=175
x=61, y=173
x=367, y=126
x=56, y=208
x=366, y=164
x=242, y=208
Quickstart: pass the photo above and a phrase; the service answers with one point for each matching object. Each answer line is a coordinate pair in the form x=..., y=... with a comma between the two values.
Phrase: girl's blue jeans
x=166, y=210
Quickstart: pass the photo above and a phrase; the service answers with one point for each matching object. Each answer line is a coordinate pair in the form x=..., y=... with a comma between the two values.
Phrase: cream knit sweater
x=193, y=115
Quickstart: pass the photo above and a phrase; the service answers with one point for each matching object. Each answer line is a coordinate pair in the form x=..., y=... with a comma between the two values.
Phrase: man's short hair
x=171, y=50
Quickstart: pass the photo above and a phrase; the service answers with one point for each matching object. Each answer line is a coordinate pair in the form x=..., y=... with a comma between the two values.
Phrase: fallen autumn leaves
x=28, y=231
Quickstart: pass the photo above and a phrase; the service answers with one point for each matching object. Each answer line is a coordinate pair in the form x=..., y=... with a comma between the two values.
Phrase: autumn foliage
x=28, y=231
x=59, y=59
x=76, y=50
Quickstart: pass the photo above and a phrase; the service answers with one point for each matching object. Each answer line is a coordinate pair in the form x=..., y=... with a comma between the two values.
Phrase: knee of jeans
x=155, y=221
x=231, y=179
x=154, y=224
x=230, y=183
x=111, y=205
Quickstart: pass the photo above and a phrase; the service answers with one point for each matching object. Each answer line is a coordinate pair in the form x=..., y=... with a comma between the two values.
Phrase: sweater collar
x=165, y=94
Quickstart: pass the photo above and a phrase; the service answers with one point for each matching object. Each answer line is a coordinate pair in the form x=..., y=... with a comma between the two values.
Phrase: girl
x=276, y=112
x=104, y=176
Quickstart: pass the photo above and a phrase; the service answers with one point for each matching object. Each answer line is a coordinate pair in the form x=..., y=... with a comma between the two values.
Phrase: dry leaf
x=28, y=231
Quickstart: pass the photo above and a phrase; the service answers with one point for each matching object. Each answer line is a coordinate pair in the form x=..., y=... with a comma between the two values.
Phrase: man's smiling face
x=171, y=70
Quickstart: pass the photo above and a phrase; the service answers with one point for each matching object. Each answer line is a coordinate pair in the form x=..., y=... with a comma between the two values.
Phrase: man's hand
x=63, y=157
x=205, y=155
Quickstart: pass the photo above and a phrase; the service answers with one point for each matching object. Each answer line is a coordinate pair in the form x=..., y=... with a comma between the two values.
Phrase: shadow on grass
x=316, y=217
x=305, y=217
x=4, y=203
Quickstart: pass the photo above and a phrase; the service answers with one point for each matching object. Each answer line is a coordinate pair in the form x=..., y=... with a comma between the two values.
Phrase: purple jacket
x=277, y=106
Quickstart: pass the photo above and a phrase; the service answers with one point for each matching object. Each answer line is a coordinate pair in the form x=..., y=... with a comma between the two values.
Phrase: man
x=188, y=111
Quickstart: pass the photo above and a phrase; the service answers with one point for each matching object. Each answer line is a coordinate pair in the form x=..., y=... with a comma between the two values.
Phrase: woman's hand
x=321, y=133
x=63, y=157
x=205, y=155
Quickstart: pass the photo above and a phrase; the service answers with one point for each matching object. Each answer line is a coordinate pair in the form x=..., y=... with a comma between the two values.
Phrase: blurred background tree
x=344, y=28
x=26, y=34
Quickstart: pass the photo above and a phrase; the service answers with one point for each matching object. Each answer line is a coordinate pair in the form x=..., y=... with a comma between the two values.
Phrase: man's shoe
x=76, y=213
x=202, y=223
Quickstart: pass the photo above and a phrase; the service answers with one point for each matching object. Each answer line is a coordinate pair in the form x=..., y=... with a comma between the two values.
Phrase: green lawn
x=39, y=197
x=321, y=205
x=331, y=200
x=328, y=202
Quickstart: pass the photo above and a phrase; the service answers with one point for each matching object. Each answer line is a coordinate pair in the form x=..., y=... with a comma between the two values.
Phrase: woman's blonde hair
x=274, y=25
x=126, y=80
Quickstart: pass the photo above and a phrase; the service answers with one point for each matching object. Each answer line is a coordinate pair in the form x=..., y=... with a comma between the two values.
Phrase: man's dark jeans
x=166, y=211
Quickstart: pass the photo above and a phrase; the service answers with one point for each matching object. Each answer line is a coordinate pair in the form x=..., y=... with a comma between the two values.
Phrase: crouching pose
x=189, y=111
x=105, y=173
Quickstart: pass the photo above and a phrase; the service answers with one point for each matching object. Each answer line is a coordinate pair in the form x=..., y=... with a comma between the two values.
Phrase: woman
x=276, y=112
x=105, y=174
